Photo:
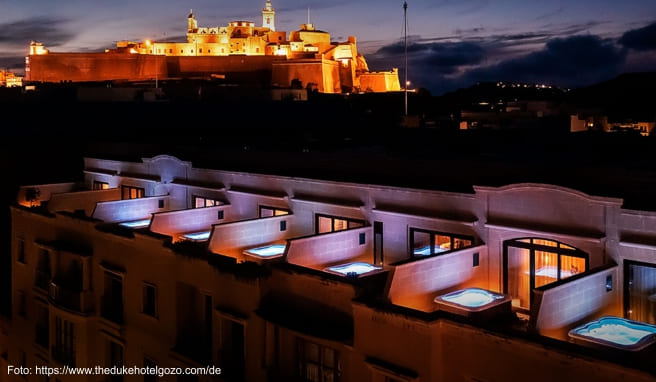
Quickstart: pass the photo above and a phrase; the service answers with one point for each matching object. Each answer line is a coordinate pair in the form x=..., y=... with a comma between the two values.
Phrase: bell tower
x=192, y=24
x=269, y=16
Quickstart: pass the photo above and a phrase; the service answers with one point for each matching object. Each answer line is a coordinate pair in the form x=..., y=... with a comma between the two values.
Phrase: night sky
x=453, y=43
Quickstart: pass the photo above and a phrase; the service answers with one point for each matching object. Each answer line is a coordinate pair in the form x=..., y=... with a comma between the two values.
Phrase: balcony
x=71, y=299
x=112, y=309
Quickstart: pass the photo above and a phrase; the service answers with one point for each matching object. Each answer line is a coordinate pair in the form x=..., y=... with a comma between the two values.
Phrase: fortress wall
x=79, y=67
x=182, y=66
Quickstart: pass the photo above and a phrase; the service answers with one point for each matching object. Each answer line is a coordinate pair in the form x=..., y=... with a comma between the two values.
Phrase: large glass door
x=640, y=291
x=530, y=263
x=519, y=273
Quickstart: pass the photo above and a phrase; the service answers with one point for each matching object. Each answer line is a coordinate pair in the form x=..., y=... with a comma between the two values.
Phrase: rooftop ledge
x=546, y=230
x=469, y=220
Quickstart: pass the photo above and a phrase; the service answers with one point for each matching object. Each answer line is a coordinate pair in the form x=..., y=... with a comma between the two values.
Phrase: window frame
x=65, y=340
x=274, y=211
x=21, y=256
x=627, y=264
x=205, y=199
x=561, y=249
x=333, y=218
x=302, y=360
x=127, y=188
x=146, y=285
x=432, y=235
x=100, y=185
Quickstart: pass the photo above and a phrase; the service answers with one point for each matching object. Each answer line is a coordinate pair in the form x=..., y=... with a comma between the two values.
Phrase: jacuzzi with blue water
x=266, y=252
x=355, y=269
x=197, y=236
x=616, y=332
x=135, y=224
x=474, y=302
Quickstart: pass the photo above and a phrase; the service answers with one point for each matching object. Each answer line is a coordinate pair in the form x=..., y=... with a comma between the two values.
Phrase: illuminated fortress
x=240, y=50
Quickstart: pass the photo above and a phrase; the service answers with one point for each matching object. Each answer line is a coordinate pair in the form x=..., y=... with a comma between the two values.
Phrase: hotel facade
x=273, y=278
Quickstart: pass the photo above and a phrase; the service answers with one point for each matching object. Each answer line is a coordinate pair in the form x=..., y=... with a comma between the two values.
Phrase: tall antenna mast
x=308, y=15
x=405, y=44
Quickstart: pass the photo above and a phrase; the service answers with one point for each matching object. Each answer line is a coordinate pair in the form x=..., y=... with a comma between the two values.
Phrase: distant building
x=10, y=80
x=307, y=55
x=498, y=106
x=273, y=278
x=597, y=121
x=644, y=128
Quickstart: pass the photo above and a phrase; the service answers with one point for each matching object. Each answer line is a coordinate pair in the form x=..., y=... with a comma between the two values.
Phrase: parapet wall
x=319, y=251
x=415, y=284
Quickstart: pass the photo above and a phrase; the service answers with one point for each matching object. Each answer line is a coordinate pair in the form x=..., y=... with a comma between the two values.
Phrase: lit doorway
x=530, y=263
x=640, y=291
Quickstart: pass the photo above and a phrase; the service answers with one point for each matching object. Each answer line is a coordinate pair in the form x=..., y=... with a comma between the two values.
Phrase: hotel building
x=275, y=278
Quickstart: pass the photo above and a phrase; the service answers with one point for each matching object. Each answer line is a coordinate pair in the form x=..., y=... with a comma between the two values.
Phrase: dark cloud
x=447, y=57
x=573, y=61
x=445, y=66
x=469, y=31
x=49, y=30
x=441, y=57
x=542, y=35
x=641, y=39
x=12, y=62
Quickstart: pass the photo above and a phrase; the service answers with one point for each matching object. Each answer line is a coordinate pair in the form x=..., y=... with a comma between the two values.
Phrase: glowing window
x=266, y=211
x=130, y=192
x=326, y=223
x=426, y=243
x=100, y=185
x=532, y=263
x=201, y=201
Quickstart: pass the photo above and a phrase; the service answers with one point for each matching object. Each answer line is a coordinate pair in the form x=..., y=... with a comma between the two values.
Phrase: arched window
x=530, y=263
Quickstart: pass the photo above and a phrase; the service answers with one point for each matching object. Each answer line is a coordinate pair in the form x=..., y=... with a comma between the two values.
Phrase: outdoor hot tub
x=197, y=236
x=266, y=252
x=616, y=332
x=474, y=301
x=356, y=269
x=134, y=224
x=426, y=251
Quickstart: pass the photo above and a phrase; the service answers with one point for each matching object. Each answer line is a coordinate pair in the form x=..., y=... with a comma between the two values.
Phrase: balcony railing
x=75, y=300
x=112, y=309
